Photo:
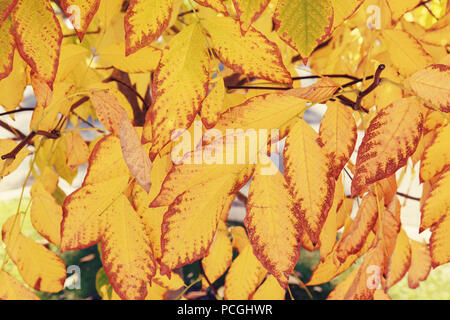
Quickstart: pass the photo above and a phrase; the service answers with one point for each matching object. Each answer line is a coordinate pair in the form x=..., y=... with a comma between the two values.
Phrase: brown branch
x=13, y=130
x=241, y=197
x=50, y=135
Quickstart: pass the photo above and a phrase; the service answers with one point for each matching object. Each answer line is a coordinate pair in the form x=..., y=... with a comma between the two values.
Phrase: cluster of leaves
x=145, y=69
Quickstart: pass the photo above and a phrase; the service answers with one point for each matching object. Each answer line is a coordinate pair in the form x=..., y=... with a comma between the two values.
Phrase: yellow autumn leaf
x=437, y=203
x=220, y=255
x=437, y=156
x=13, y=289
x=239, y=52
x=213, y=105
x=400, y=260
x=365, y=220
x=181, y=82
x=391, y=138
x=330, y=267
x=80, y=13
x=420, y=263
x=145, y=21
x=407, y=54
x=106, y=179
x=270, y=290
x=308, y=175
x=7, y=47
x=433, y=85
x=77, y=150
x=39, y=49
x=304, y=24
x=108, y=109
x=399, y=8
x=268, y=111
x=13, y=86
x=126, y=250
x=217, y=5
x=369, y=276
x=338, y=135
x=195, y=213
x=39, y=267
x=6, y=7
x=248, y=11
x=244, y=276
x=344, y=9
x=439, y=242
x=46, y=214
x=144, y=60
x=136, y=157
x=9, y=165
x=318, y=92
x=273, y=226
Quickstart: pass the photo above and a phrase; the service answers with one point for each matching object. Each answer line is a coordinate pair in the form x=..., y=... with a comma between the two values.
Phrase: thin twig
x=16, y=111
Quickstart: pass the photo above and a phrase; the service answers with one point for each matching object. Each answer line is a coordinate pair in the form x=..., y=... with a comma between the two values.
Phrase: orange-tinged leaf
x=318, y=92
x=9, y=165
x=181, y=82
x=126, y=250
x=220, y=255
x=369, y=277
x=39, y=267
x=152, y=217
x=134, y=153
x=391, y=138
x=217, y=5
x=268, y=111
x=329, y=268
x=195, y=214
x=248, y=11
x=13, y=289
x=145, y=21
x=440, y=242
x=433, y=85
x=400, y=260
x=239, y=238
x=187, y=175
x=270, y=290
x=46, y=214
x=106, y=161
x=7, y=47
x=81, y=13
x=253, y=54
x=329, y=230
x=6, y=7
x=407, y=54
x=437, y=203
x=108, y=109
x=338, y=135
x=420, y=263
x=308, y=175
x=304, y=24
x=77, y=150
x=342, y=288
x=41, y=90
x=437, y=156
x=364, y=222
x=106, y=179
x=40, y=49
x=244, y=276
x=273, y=225
x=213, y=105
